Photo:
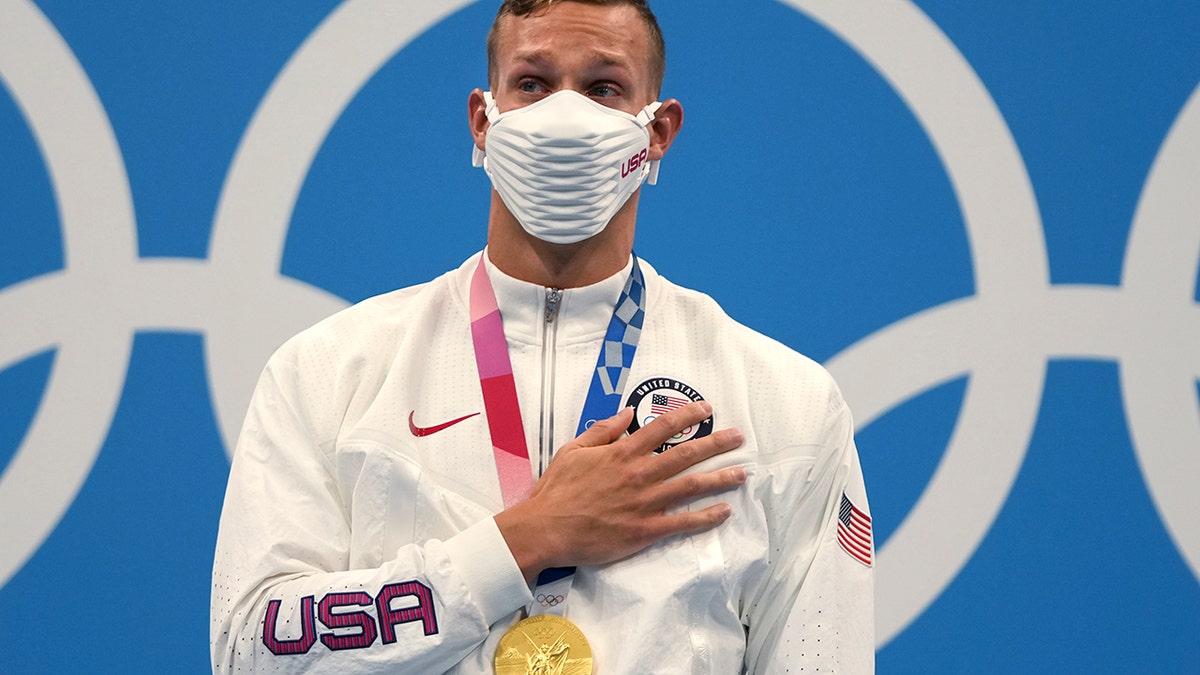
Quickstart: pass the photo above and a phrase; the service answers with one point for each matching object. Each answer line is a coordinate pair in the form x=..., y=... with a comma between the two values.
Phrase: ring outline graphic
x=1155, y=389
x=95, y=206
x=546, y=600
x=967, y=490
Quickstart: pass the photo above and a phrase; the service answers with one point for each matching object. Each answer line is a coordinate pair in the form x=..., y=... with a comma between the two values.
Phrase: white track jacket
x=357, y=532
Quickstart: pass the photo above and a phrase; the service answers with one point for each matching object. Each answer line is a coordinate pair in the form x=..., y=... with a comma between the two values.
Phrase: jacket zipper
x=549, y=342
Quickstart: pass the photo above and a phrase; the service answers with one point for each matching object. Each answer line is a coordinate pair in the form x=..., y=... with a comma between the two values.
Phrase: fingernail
x=706, y=406
x=739, y=474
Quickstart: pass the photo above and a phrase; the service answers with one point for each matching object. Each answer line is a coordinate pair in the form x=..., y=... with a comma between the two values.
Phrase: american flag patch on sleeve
x=854, y=531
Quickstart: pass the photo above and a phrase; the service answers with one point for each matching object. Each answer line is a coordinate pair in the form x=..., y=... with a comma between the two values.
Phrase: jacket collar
x=583, y=313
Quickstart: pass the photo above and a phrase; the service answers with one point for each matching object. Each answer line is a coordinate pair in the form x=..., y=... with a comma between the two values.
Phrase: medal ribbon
x=504, y=410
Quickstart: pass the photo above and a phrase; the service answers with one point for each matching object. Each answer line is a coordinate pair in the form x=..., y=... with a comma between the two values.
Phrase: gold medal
x=546, y=644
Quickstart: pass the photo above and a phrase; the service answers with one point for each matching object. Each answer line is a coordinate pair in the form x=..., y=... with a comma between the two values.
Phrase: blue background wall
x=983, y=217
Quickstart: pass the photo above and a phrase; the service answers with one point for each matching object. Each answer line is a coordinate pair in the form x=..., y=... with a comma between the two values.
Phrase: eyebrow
x=538, y=56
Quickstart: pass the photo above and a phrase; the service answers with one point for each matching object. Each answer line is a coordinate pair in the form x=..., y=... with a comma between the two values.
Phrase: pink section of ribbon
x=516, y=479
x=483, y=298
x=499, y=391
x=491, y=347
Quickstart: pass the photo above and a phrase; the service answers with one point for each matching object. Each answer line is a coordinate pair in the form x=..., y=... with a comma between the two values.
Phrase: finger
x=666, y=426
x=694, y=485
x=688, y=521
x=690, y=453
x=604, y=431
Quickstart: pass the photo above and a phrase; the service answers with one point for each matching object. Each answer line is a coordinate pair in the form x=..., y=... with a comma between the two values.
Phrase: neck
x=522, y=256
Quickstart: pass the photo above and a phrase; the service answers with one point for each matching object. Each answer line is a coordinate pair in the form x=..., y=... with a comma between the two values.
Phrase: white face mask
x=565, y=165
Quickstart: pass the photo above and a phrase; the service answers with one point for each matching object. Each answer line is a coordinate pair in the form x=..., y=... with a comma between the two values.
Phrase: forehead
x=575, y=32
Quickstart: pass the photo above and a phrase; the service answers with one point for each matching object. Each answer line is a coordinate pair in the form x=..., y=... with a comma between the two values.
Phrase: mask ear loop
x=646, y=116
x=479, y=157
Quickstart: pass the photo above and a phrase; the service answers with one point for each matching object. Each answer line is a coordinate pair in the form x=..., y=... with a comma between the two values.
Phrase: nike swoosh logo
x=420, y=432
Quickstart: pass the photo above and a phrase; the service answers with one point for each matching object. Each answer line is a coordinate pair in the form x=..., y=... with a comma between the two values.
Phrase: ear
x=477, y=117
x=667, y=121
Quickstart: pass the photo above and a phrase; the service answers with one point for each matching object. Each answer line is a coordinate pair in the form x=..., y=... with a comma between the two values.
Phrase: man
x=706, y=512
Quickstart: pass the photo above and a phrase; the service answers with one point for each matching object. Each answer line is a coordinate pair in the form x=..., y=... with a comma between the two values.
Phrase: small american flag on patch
x=854, y=531
x=661, y=404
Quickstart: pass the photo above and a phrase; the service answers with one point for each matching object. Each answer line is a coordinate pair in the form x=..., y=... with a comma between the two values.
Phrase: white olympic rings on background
x=1001, y=337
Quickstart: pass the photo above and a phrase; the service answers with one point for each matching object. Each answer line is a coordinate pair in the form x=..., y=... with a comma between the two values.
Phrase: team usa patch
x=354, y=619
x=854, y=531
x=658, y=396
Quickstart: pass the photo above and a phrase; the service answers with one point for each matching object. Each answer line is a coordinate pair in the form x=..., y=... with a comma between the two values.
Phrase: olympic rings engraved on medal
x=547, y=600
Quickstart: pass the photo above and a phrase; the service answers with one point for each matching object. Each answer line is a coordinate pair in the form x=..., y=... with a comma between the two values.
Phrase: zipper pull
x=553, y=298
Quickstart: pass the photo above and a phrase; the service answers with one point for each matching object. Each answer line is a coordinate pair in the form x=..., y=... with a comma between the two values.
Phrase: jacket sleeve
x=817, y=609
x=283, y=598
